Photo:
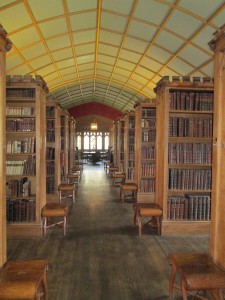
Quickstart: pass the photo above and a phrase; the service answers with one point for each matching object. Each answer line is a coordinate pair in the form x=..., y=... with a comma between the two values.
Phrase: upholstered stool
x=118, y=178
x=130, y=187
x=76, y=170
x=148, y=214
x=50, y=215
x=64, y=188
x=112, y=170
x=198, y=272
x=24, y=279
x=79, y=164
x=73, y=178
x=107, y=164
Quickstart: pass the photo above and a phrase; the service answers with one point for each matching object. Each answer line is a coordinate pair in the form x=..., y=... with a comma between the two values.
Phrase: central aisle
x=102, y=257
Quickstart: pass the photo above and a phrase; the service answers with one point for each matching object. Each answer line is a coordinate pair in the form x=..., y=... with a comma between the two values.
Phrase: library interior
x=112, y=149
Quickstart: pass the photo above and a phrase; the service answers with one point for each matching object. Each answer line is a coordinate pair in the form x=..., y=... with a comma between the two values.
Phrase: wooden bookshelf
x=217, y=228
x=64, y=143
x=115, y=142
x=120, y=144
x=129, y=144
x=72, y=142
x=5, y=45
x=52, y=150
x=26, y=154
x=145, y=149
x=184, y=156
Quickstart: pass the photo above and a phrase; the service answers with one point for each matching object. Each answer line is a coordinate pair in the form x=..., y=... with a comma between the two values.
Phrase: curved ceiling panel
x=110, y=52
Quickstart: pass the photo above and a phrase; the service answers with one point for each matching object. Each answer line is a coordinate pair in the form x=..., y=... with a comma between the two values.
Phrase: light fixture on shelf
x=94, y=125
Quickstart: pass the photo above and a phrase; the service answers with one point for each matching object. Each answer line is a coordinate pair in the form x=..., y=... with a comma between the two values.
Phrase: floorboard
x=102, y=257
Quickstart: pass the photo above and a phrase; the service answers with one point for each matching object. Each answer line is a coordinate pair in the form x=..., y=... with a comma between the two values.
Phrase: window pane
x=99, y=142
x=93, y=142
x=86, y=142
x=106, y=142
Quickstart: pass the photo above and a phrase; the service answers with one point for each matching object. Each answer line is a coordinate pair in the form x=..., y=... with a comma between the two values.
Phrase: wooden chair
x=147, y=214
x=64, y=189
x=24, y=279
x=73, y=178
x=198, y=272
x=130, y=187
x=51, y=213
x=112, y=170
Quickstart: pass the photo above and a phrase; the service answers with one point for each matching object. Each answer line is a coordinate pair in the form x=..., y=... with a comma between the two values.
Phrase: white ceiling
x=109, y=51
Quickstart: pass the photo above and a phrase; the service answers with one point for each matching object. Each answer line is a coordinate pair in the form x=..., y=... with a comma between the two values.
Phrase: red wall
x=94, y=108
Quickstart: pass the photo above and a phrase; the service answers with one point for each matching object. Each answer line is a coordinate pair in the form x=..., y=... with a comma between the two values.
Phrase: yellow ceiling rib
x=72, y=45
x=122, y=43
x=168, y=16
x=97, y=40
x=41, y=36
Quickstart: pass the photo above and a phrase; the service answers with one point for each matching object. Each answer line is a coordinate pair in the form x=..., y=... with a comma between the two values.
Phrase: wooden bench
x=197, y=272
x=25, y=279
x=147, y=214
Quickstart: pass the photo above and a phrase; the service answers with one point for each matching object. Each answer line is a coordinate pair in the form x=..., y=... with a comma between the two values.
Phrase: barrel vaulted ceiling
x=112, y=52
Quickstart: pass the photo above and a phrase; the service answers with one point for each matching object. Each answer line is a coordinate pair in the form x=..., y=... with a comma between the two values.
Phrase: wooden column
x=217, y=232
x=5, y=45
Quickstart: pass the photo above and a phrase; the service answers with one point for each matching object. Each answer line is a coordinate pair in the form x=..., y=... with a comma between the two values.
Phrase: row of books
x=50, y=111
x=20, y=93
x=148, y=123
x=148, y=136
x=190, y=153
x=189, y=207
x=21, y=167
x=19, y=188
x=197, y=101
x=191, y=127
x=190, y=179
x=50, y=168
x=20, y=125
x=130, y=173
x=50, y=124
x=148, y=112
x=20, y=111
x=20, y=210
x=50, y=185
x=147, y=169
x=147, y=185
x=148, y=152
x=27, y=145
x=50, y=136
x=50, y=153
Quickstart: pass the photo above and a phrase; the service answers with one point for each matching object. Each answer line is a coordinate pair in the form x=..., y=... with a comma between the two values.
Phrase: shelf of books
x=52, y=150
x=115, y=143
x=25, y=154
x=145, y=149
x=217, y=226
x=184, y=183
x=5, y=45
x=120, y=145
x=129, y=143
x=72, y=145
x=64, y=143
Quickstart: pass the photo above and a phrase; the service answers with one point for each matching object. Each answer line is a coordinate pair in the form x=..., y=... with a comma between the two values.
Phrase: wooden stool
x=25, y=279
x=76, y=170
x=73, y=178
x=65, y=188
x=133, y=187
x=79, y=164
x=145, y=211
x=112, y=170
x=107, y=164
x=118, y=178
x=198, y=272
x=54, y=210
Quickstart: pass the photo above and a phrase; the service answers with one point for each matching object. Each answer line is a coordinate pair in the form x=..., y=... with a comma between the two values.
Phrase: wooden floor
x=102, y=257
